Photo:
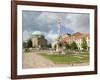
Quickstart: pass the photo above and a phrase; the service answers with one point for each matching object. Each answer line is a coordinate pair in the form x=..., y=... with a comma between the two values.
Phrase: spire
x=59, y=25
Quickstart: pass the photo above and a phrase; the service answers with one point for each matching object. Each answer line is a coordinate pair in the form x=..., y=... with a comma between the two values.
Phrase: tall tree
x=67, y=45
x=49, y=45
x=84, y=44
x=74, y=46
x=24, y=44
x=29, y=43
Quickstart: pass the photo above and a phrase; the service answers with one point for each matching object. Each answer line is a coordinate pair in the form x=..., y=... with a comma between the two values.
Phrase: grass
x=68, y=59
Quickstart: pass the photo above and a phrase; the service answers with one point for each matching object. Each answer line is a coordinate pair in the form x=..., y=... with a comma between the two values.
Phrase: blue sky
x=46, y=22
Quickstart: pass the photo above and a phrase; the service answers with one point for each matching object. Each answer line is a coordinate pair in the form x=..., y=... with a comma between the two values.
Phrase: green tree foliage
x=84, y=44
x=49, y=45
x=27, y=44
x=24, y=44
x=73, y=46
x=67, y=45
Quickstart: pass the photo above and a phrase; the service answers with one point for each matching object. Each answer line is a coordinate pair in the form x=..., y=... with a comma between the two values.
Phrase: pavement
x=34, y=60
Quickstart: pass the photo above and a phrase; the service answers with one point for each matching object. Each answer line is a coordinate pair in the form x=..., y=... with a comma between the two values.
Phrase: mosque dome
x=37, y=33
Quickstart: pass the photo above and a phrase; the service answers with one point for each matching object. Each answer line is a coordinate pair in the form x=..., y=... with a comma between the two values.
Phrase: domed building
x=38, y=40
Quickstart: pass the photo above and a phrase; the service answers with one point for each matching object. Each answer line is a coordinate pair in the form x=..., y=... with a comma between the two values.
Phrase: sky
x=46, y=22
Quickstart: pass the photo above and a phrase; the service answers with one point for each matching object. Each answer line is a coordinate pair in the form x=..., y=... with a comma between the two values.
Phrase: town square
x=53, y=41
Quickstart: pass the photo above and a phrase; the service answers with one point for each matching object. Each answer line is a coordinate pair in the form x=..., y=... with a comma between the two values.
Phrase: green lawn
x=68, y=59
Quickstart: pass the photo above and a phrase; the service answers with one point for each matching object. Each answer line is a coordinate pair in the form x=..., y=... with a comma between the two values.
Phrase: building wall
x=77, y=38
x=39, y=41
x=34, y=41
x=42, y=42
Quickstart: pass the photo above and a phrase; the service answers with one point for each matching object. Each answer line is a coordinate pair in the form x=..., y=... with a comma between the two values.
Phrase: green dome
x=37, y=33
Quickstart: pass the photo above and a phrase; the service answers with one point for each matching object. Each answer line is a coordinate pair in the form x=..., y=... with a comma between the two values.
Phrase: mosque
x=38, y=40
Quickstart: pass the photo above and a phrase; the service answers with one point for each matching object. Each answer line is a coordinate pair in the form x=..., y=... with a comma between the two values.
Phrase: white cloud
x=49, y=18
x=79, y=22
x=26, y=35
x=75, y=22
x=50, y=36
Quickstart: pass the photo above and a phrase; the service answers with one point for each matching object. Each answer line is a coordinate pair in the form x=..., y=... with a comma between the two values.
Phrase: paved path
x=34, y=60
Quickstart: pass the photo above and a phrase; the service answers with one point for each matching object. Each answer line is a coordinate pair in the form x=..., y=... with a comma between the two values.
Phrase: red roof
x=77, y=34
